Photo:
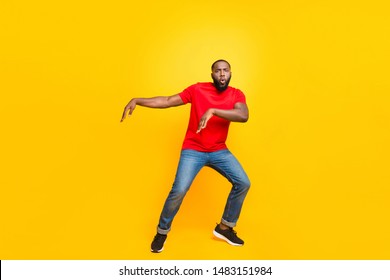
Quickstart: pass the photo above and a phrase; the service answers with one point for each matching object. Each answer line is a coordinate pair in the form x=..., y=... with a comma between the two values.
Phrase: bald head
x=219, y=60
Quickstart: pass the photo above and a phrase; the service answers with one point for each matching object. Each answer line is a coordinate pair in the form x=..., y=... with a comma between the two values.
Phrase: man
x=213, y=107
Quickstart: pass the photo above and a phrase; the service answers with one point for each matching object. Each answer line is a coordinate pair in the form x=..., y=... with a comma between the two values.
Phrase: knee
x=244, y=184
x=178, y=192
x=247, y=185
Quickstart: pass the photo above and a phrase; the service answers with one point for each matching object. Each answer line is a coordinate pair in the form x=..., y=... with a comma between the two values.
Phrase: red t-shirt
x=202, y=97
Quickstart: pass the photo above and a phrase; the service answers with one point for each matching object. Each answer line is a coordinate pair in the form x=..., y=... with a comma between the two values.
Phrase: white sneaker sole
x=159, y=251
x=220, y=236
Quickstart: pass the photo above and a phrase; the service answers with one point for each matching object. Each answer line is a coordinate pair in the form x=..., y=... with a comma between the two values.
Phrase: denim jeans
x=190, y=164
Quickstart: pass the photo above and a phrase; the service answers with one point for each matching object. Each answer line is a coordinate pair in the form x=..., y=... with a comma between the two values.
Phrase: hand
x=204, y=119
x=130, y=108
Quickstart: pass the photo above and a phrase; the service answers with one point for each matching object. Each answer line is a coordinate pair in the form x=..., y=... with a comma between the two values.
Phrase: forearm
x=234, y=115
x=153, y=102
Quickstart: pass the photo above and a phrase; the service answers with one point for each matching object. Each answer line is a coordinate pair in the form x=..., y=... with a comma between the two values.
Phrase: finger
x=128, y=111
x=124, y=114
x=204, y=124
x=200, y=126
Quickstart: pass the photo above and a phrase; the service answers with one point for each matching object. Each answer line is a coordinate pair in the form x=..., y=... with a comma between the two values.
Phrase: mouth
x=221, y=83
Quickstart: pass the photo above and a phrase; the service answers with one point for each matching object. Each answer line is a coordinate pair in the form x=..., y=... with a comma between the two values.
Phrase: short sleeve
x=186, y=95
x=239, y=97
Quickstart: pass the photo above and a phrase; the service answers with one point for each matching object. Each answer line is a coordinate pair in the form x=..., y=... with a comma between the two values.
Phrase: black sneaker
x=158, y=243
x=229, y=235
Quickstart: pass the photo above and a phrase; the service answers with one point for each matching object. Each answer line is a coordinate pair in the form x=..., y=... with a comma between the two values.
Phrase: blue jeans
x=190, y=163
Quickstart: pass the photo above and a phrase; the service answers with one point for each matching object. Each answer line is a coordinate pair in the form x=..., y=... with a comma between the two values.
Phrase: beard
x=219, y=86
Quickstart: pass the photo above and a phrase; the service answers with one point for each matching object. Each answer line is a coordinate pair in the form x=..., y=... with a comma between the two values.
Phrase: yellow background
x=78, y=184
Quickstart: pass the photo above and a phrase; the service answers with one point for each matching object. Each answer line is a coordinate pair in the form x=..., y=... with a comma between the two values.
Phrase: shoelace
x=159, y=237
x=232, y=231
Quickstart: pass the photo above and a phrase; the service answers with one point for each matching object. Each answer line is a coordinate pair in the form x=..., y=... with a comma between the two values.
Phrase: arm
x=239, y=113
x=152, y=102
